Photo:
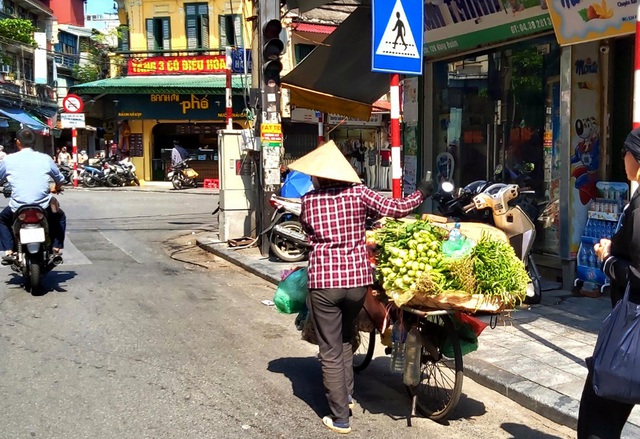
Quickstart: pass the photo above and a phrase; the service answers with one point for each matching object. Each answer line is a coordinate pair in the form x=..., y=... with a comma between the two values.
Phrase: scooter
x=34, y=255
x=286, y=237
x=183, y=175
x=513, y=213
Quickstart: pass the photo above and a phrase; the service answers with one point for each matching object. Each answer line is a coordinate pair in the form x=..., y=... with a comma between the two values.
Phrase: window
x=302, y=50
x=123, y=38
x=230, y=30
x=197, y=22
x=158, y=33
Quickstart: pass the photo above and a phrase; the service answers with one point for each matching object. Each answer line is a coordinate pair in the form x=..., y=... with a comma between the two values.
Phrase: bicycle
x=441, y=367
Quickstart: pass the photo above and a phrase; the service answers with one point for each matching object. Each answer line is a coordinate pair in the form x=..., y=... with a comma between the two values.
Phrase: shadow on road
x=521, y=431
x=305, y=374
x=51, y=281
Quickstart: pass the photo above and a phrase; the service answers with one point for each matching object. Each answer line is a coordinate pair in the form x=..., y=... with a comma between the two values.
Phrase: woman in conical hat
x=334, y=215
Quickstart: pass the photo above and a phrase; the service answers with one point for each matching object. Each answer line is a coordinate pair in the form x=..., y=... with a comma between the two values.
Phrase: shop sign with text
x=336, y=119
x=453, y=26
x=189, y=65
x=579, y=21
x=179, y=107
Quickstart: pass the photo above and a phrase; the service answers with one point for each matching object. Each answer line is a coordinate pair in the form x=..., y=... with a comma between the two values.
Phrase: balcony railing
x=65, y=60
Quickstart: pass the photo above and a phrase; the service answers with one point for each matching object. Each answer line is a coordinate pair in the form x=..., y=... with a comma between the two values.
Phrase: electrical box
x=238, y=191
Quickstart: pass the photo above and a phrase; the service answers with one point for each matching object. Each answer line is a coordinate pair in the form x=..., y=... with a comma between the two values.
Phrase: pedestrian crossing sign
x=398, y=35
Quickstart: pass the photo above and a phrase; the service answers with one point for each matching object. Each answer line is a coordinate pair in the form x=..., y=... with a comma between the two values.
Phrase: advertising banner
x=453, y=26
x=585, y=151
x=578, y=21
x=188, y=65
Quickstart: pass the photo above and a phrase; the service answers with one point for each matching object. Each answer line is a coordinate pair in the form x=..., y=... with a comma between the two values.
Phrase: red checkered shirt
x=334, y=218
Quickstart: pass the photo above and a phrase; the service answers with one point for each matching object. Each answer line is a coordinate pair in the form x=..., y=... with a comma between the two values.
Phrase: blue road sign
x=398, y=34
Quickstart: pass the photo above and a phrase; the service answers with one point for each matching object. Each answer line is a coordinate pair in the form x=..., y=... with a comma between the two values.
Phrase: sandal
x=338, y=427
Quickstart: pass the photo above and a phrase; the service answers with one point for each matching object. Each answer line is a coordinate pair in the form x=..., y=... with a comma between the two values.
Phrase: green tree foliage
x=15, y=31
x=97, y=50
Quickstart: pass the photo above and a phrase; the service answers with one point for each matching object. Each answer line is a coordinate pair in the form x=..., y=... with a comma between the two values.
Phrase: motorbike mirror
x=447, y=186
x=528, y=167
x=498, y=170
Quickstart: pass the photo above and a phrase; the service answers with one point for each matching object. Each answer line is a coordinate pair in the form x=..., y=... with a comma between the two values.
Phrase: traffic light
x=272, y=48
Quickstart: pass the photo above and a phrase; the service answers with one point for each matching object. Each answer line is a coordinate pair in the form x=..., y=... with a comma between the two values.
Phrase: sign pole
x=320, y=128
x=228, y=62
x=396, y=169
x=74, y=145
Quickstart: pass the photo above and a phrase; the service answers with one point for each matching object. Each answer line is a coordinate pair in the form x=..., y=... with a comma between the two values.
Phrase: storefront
x=365, y=145
x=492, y=102
x=143, y=116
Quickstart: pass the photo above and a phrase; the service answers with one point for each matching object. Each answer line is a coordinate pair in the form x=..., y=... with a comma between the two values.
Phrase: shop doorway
x=493, y=113
x=199, y=139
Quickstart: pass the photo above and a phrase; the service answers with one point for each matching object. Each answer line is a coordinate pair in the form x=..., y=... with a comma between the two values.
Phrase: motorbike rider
x=178, y=153
x=28, y=172
x=334, y=217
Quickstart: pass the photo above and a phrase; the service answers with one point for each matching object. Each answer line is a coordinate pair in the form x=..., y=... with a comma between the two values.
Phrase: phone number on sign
x=528, y=26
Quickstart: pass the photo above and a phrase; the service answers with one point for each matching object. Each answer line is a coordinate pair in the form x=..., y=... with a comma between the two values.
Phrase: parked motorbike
x=34, y=255
x=511, y=210
x=67, y=173
x=121, y=173
x=94, y=175
x=286, y=237
x=182, y=175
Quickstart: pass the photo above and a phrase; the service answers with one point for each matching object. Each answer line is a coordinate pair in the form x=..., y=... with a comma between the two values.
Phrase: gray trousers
x=334, y=311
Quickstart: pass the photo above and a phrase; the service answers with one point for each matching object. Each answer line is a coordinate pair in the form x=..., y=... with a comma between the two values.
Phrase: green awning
x=183, y=84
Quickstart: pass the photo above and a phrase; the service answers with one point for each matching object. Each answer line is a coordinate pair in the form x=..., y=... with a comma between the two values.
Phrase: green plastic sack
x=454, y=250
x=466, y=336
x=291, y=294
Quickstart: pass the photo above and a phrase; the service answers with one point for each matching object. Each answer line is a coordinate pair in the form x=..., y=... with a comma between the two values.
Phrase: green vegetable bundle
x=410, y=262
x=406, y=252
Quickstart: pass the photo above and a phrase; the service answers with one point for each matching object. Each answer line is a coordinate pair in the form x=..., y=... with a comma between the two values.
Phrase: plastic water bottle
x=454, y=234
x=411, y=376
x=398, y=347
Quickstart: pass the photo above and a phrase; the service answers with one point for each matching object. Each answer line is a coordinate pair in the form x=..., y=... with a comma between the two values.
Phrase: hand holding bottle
x=603, y=249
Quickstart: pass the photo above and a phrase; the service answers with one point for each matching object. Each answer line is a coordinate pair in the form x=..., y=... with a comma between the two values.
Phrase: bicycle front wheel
x=438, y=393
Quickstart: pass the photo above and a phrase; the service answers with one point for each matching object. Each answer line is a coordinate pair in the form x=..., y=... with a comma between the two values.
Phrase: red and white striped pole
x=396, y=169
x=320, y=128
x=636, y=86
x=228, y=62
x=74, y=150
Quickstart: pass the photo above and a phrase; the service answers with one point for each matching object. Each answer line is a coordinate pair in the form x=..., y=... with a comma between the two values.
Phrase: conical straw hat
x=326, y=161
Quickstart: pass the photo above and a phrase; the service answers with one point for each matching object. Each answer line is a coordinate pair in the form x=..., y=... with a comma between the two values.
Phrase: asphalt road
x=143, y=335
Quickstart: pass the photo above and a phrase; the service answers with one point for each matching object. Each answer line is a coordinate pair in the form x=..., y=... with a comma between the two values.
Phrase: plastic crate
x=211, y=183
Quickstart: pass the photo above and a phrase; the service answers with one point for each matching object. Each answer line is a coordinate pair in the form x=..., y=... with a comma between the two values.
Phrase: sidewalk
x=154, y=186
x=534, y=356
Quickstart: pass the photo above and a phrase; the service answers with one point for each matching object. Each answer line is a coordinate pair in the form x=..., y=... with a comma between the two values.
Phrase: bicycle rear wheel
x=363, y=349
x=438, y=392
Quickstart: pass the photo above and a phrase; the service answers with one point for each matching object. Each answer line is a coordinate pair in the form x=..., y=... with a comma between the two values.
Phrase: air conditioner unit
x=5, y=68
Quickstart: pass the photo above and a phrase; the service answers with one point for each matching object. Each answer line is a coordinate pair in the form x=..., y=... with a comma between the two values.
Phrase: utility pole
x=270, y=128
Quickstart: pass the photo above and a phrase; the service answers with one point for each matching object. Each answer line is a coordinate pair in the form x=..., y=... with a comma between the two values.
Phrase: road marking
x=72, y=256
x=136, y=249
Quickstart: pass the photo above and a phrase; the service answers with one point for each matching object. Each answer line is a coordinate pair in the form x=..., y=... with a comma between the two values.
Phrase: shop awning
x=182, y=84
x=22, y=117
x=336, y=76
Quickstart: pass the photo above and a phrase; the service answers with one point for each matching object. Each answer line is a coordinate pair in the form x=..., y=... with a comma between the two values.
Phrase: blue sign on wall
x=398, y=34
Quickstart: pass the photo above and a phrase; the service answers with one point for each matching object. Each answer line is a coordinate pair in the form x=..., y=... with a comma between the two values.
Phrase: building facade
x=168, y=82
x=27, y=90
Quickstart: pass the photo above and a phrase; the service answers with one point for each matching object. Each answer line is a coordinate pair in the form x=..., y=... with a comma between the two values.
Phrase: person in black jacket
x=601, y=418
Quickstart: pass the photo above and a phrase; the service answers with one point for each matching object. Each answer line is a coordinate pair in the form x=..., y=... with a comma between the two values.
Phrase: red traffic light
x=272, y=30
